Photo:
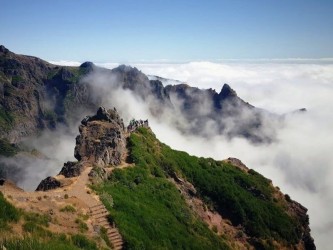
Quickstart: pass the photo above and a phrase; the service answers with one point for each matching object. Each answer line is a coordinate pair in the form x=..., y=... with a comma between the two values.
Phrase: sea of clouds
x=300, y=162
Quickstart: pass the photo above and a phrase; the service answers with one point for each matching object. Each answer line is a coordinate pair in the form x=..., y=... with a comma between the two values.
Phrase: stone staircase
x=100, y=215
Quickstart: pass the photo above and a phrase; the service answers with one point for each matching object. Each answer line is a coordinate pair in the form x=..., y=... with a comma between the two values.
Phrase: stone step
x=96, y=206
x=114, y=237
x=113, y=230
x=101, y=214
x=113, y=234
x=92, y=211
x=118, y=244
x=116, y=241
x=101, y=220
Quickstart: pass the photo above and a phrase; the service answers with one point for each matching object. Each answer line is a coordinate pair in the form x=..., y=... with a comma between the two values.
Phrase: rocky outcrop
x=101, y=140
x=101, y=143
x=237, y=163
x=72, y=169
x=300, y=212
x=48, y=183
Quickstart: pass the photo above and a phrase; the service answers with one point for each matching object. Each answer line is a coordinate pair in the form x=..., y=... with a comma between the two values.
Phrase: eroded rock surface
x=101, y=143
x=48, y=183
x=72, y=169
x=101, y=140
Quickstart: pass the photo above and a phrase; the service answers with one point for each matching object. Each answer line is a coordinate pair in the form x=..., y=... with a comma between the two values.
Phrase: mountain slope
x=35, y=95
x=259, y=213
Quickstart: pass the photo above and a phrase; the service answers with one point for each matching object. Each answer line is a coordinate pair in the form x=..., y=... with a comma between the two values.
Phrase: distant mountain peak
x=227, y=91
x=3, y=49
x=87, y=65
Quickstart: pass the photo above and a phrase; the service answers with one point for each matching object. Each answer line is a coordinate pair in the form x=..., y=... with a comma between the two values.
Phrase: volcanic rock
x=101, y=140
x=72, y=169
x=48, y=183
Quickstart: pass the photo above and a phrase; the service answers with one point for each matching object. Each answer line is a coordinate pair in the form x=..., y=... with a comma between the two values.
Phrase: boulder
x=72, y=169
x=48, y=183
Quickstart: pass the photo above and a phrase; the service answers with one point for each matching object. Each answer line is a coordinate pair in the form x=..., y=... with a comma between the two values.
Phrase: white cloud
x=65, y=63
x=301, y=162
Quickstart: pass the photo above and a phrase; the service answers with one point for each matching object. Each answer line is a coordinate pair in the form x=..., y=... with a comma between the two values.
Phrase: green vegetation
x=68, y=209
x=82, y=242
x=36, y=243
x=106, y=199
x=150, y=212
x=39, y=219
x=49, y=241
x=36, y=236
x=6, y=120
x=7, y=149
x=104, y=236
x=82, y=225
x=8, y=213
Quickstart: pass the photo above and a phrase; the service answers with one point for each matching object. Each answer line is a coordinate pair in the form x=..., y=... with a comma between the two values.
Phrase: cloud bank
x=300, y=162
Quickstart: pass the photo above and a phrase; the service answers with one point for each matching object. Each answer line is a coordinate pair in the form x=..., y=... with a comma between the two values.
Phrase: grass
x=82, y=225
x=6, y=120
x=151, y=214
x=143, y=198
x=149, y=210
x=104, y=236
x=49, y=242
x=36, y=236
x=8, y=213
x=39, y=219
x=7, y=149
x=68, y=209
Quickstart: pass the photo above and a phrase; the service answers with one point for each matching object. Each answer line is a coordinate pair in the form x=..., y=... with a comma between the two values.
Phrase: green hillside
x=151, y=214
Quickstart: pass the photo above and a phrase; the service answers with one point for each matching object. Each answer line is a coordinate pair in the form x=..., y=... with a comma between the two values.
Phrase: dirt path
x=76, y=193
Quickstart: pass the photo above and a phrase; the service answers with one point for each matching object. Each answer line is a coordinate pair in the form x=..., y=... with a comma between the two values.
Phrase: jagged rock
x=185, y=186
x=72, y=169
x=227, y=92
x=48, y=183
x=101, y=140
x=237, y=163
x=300, y=212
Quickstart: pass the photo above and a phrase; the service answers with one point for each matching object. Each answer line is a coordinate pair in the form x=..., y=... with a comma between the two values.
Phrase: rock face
x=101, y=140
x=101, y=143
x=48, y=183
x=72, y=169
x=300, y=212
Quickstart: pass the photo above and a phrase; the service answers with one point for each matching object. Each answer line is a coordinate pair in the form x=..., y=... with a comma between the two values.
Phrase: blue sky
x=174, y=30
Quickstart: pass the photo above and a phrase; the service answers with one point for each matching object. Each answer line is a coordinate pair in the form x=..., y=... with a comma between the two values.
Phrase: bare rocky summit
x=101, y=143
x=101, y=140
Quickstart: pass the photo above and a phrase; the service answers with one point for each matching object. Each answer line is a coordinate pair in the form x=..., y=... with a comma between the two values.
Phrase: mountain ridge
x=58, y=94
